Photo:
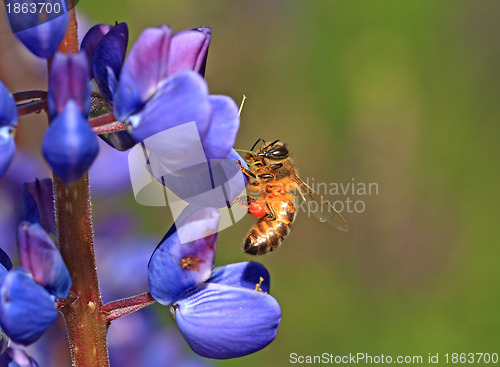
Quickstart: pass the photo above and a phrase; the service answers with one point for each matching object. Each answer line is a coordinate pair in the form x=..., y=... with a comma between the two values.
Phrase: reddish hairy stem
x=29, y=94
x=102, y=120
x=86, y=322
x=69, y=44
x=110, y=128
x=125, y=306
x=30, y=107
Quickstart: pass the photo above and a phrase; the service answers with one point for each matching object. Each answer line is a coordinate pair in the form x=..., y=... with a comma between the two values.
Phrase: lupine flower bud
x=91, y=41
x=8, y=119
x=69, y=80
x=70, y=145
x=38, y=29
x=27, y=309
x=7, y=148
x=108, y=59
x=8, y=109
x=42, y=258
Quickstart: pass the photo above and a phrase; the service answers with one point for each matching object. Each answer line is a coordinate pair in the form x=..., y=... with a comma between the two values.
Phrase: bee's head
x=275, y=150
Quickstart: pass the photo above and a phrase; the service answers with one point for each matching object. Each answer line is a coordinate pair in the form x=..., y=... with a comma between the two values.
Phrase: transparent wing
x=324, y=212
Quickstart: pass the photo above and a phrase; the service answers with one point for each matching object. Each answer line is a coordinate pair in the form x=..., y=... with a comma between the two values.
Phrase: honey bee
x=273, y=177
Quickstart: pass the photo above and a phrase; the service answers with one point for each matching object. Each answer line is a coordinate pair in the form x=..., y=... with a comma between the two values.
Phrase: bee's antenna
x=242, y=103
x=257, y=142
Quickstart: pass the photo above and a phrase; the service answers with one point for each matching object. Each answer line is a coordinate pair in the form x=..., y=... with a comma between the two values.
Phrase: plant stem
x=69, y=44
x=31, y=107
x=86, y=322
x=126, y=306
x=29, y=94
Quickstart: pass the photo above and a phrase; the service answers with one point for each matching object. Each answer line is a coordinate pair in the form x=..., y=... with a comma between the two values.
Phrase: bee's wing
x=325, y=212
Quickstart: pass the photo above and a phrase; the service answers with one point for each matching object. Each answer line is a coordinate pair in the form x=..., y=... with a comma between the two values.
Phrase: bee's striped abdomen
x=267, y=234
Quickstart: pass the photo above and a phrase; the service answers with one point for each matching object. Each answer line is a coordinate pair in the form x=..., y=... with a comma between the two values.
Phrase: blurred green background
x=404, y=94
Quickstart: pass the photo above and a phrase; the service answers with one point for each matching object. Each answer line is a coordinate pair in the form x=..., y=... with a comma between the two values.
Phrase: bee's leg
x=243, y=200
x=270, y=211
x=246, y=171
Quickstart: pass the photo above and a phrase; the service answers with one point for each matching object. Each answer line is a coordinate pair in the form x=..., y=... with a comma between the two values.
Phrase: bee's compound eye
x=279, y=153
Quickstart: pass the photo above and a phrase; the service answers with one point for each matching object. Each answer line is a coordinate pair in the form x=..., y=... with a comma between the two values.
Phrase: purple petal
x=15, y=357
x=41, y=32
x=91, y=41
x=223, y=128
x=38, y=201
x=181, y=99
x=188, y=50
x=185, y=256
x=41, y=257
x=8, y=109
x=7, y=148
x=108, y=59
x=5, y=260
x=3, y=273
x=221, y=321
x=27, y=310
x=143, y=70
x=70, y=145
x=242, y=275
x=69, y=80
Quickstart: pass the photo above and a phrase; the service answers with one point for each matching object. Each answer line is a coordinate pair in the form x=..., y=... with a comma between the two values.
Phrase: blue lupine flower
x=155, y=56
x=7, y=148
x=107, y=58
x=158, y=91
x=8, y=109
x=39, y=254
x=8, y=119
x=224, y=313
x=69, y=145
x=91, y=40
x=28, y=294
x=27, y=309
x=41, y=32
x=5, y=264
